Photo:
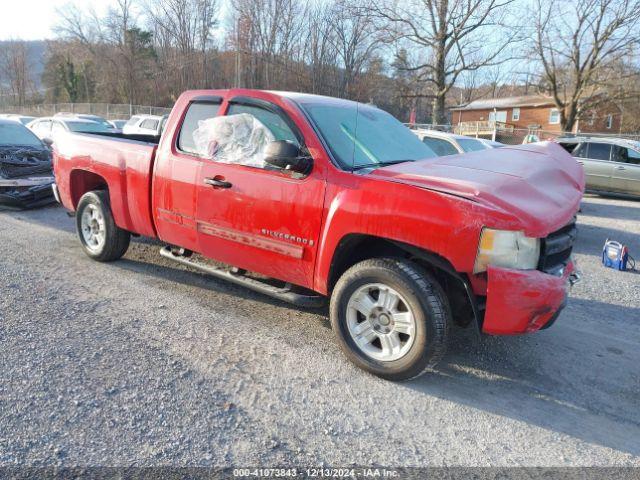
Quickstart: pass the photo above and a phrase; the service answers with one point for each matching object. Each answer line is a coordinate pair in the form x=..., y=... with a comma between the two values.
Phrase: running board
x=285, y=293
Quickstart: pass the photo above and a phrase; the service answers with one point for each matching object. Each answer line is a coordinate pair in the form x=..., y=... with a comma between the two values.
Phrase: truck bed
x=122, y=164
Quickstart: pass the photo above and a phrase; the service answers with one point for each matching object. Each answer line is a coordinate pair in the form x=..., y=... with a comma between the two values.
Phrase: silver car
x=611, y=165
x=444, y=143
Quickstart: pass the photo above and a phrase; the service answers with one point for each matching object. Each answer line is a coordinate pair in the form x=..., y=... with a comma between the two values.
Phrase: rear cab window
x=196, y=112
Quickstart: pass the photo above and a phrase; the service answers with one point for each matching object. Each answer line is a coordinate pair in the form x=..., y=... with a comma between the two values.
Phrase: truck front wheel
x=100, y=237
x=391, y=318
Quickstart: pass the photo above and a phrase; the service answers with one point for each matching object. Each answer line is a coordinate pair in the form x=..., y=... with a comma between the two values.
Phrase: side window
x=600, y=151
x=274, y=122
x=619, y=154
x=580, y=151
x=57, y=128
x=149, y=124
x=242, y=135
x=43, y=127
x=197, y=112
x=440, y=146
x=633, y=156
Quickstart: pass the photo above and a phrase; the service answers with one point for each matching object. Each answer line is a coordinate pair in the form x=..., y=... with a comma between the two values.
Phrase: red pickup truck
x=304, y=197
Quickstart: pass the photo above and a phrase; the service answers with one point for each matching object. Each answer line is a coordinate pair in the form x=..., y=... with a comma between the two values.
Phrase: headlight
x=503, y=248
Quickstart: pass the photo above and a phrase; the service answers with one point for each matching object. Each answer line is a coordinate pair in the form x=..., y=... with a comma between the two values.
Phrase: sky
x=34, y=19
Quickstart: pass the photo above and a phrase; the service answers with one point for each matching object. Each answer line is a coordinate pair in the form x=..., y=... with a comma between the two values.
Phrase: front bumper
x=522, y=301
x=56, y=193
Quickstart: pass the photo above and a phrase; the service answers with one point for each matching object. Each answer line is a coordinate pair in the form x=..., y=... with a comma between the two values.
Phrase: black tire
x=424, y=297
x=116, y=240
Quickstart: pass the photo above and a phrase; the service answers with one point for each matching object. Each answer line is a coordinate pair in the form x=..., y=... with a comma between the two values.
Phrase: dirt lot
x=140, y=362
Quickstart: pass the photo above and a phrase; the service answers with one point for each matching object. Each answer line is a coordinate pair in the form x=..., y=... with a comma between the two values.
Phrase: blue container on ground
x=615, y=255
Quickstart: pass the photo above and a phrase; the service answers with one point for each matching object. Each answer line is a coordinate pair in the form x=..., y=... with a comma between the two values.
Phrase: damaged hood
x=540, y=184
x=25, y=176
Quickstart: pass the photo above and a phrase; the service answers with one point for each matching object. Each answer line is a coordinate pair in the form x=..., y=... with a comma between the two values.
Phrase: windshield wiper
x=382, y=164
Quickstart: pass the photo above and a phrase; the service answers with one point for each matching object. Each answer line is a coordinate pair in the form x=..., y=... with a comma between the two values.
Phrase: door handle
x=620, y=167
x=218, y=182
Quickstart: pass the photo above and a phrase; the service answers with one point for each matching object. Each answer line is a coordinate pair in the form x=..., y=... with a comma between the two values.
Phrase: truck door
x=262, y=219
x=596, y=159
x=176, y=178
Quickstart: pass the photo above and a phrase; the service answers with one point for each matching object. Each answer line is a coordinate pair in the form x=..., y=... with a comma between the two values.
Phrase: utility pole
x=237, y=80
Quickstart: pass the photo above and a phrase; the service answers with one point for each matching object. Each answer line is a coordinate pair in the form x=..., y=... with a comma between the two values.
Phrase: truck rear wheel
x=100, y=237
x=391, y=318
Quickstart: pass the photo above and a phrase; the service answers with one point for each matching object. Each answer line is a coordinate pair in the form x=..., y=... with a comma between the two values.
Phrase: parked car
x=118, y=124
x=49, y=128
x=25, y=167
x=491, y=143
x=23, y=119
x=144, y=125
x=444, y=143
x=84, y=116
x=611, y=165
x=339, y=199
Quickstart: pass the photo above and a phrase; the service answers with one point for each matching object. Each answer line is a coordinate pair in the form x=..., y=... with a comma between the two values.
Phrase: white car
x=144, y=125
x=118, y=124
x=443, y=143
x=48, y=128
x=23, y=119
x=85, y=116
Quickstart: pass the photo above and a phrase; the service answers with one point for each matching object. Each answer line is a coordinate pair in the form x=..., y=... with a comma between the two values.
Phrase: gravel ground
x=140, y=362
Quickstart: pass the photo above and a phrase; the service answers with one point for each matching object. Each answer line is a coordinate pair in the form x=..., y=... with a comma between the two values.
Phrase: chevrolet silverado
x=303, y=197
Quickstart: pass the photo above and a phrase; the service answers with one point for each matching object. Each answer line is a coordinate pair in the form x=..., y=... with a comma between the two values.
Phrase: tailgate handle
x=218, y=182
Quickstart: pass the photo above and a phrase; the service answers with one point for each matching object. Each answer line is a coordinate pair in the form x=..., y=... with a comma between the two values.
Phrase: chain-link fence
x=109, y=111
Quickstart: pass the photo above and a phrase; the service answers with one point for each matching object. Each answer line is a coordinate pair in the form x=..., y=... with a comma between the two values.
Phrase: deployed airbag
x=239, y=139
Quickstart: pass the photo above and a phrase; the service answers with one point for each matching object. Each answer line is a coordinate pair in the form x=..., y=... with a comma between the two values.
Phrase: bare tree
x=269, y=34
x=118, y=47
x=183, y=32
x=15, y=70
x=319, y=48
x=578, y=44
x=452, y=36
x=354, y=38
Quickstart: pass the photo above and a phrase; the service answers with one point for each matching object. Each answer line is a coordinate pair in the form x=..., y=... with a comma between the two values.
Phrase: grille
x=556, y=248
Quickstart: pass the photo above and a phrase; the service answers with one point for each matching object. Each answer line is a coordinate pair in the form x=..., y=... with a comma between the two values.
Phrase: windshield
x=360, y=136
x=13, y=133
x=99, y=120
x=471, y=145
x=90, y=127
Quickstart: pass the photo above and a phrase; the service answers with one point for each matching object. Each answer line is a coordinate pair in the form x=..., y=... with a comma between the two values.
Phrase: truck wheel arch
x=354, y=248
x=83, y=181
